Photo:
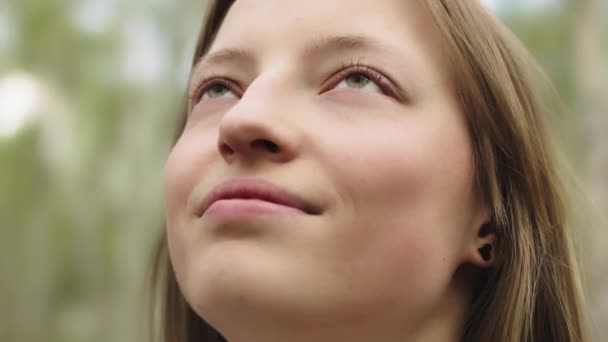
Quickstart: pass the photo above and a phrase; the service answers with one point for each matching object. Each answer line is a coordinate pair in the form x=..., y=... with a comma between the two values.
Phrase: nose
x=250, y=132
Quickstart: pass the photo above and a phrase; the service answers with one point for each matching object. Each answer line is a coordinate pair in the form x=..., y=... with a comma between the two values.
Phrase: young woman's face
x=350, y=106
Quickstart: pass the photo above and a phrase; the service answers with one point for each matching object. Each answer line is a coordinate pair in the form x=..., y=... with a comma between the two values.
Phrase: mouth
x=247, y=197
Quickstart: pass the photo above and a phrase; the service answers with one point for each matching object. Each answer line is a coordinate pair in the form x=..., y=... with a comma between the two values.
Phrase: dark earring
x=486, y=252
x=484, y=230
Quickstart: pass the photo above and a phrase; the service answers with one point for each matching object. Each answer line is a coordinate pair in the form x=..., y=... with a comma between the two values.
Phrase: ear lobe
x=484, y=230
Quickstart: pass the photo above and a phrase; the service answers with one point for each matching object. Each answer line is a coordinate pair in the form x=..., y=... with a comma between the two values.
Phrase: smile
x=247, y=198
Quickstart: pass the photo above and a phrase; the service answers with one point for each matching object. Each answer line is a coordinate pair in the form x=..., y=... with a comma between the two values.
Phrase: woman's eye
x=359, y=81
x=218, y=91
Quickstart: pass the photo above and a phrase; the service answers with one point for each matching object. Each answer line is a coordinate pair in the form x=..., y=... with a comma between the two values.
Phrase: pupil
x=217, y=90
x=358, y=80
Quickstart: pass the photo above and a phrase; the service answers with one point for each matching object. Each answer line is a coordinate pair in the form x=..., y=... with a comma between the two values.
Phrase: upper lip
x=256, y=189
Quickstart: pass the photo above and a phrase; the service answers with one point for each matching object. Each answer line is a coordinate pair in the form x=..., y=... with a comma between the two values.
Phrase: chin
x=239, y=275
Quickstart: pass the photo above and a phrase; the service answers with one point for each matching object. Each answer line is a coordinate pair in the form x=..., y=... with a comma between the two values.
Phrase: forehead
x=266, y=24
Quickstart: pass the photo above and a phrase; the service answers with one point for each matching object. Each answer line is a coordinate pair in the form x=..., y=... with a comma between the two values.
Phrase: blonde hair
x=534, y=292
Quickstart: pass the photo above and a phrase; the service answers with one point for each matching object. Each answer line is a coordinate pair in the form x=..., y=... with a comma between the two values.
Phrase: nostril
x=266, y=145
x=226, y=150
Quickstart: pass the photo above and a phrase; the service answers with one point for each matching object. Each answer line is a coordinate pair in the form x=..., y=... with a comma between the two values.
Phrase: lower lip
x=248, y=208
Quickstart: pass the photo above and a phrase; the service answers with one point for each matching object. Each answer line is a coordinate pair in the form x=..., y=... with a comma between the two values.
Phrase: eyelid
x=354, y=67
x=384, y=82
x=205, y=83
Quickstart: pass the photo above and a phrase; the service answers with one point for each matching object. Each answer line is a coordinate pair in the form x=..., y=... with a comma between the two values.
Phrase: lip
x=251, y=197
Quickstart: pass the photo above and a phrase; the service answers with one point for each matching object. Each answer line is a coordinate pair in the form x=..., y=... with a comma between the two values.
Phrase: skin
x=393, y=254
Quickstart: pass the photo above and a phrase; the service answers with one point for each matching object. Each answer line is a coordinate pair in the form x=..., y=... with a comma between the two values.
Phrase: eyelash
x=355, y=67
x=347, y=69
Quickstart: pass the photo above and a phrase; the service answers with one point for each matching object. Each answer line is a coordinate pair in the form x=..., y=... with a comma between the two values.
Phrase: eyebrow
x=225, y=56
x=313, y=49
x=325, y=45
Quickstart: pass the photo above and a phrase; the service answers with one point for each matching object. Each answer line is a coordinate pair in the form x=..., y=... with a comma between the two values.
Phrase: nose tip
x=253, y=138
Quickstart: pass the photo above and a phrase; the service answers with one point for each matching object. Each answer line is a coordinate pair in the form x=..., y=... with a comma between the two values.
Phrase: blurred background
x=89, y=92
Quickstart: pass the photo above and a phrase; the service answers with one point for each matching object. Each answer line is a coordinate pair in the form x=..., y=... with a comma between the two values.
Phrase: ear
x=481, y=249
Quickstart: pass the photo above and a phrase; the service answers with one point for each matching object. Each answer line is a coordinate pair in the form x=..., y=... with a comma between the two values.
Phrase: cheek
x=412, y=167
x=178, y=178
x=407, y=188
x=189, y=158
x=184, y=169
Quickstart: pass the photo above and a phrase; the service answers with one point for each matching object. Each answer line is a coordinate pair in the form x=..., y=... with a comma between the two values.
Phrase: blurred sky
x=522, y=4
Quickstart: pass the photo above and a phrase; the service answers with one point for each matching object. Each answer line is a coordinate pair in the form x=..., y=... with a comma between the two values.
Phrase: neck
x=443, y=322
x=443, y=325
